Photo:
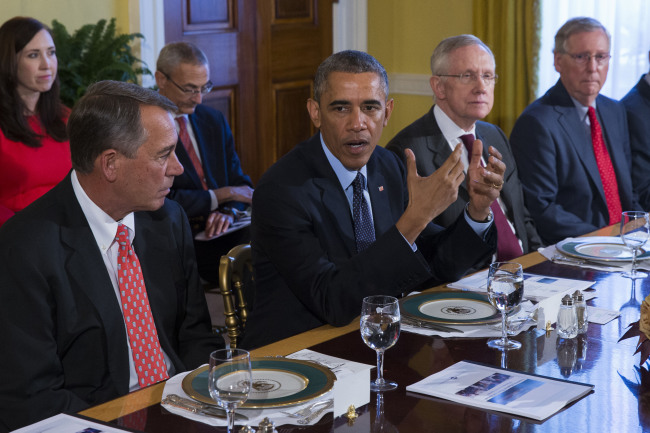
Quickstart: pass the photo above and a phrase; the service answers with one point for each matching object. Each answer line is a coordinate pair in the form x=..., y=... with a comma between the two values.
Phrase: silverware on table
x=428, y=325
x=317, y=413
x=306, y=411
x=197, y=407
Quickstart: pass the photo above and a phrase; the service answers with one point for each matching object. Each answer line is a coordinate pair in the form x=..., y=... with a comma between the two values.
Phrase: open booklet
x=493, y=388
x=240, y=224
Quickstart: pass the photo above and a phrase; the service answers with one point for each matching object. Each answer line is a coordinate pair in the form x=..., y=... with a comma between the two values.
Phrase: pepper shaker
x=581, y=311
x=567, y=319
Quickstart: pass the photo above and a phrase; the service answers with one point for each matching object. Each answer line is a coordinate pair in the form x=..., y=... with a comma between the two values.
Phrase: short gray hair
x=108, y=117
x=349, y=61
x=440, y=56
x=577, y=25
x=175, y=53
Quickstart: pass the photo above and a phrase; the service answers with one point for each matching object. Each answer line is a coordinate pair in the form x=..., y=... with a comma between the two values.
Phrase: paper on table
x=63, y=423
x=502, y=390
x=174, y=386
x=601, y=315
x=243, y=222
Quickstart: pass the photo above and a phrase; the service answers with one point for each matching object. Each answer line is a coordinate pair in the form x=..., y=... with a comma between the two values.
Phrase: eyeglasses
x=205, y=89
x=584, y=58
x=471, y=78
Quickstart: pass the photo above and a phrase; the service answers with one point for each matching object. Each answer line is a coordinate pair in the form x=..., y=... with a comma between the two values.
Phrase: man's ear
x=313, y=108
x=108, y=163
x=438, y=87
x=389, y=109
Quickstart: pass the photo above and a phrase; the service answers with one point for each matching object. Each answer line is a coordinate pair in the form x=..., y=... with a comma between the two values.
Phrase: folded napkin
x=484, y=330
x=174, y=386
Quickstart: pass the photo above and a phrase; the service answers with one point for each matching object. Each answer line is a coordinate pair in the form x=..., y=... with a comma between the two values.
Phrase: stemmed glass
x=229, y=380
x=635, y=227
x=505, y=291
x=380, y=326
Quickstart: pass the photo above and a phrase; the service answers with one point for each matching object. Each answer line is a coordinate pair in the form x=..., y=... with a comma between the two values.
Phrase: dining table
x=619, y=402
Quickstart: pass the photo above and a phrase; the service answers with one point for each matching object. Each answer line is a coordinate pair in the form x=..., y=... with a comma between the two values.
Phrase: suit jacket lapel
x=87, y=272
x=574, y=128
x=379, y=198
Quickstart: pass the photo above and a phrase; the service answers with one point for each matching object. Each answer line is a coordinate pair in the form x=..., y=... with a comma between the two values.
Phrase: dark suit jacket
x=220, y=163
x=637, y=105
x=63, y=336
x=431, y=150
x=307, y=270
x=558, y=169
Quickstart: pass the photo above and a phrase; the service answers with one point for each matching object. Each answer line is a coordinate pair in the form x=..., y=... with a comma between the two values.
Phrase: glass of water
x=380, y=327
x=229, y=380
x=635, y=226
x=505, y=291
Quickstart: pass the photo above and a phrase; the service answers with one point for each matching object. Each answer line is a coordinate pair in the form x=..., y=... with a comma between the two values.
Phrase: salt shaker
x=567, y=319
x=581, y=311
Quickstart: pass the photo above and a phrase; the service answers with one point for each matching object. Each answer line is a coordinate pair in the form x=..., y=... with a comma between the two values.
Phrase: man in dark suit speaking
x=338, y=218
x=571, y=145
x=99, y=291
x=463, y=80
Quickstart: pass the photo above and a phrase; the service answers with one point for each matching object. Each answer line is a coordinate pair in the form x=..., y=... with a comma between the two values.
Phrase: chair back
x=235, y=274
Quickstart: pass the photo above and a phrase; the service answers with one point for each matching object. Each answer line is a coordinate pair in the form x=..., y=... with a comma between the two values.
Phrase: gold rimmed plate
x=601, y=248
x=277, y=382
x=452, y=308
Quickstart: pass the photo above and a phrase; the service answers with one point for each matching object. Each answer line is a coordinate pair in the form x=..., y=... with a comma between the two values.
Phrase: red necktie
x=508, y=246
x=189, y=147
x=605, y=169
x=143, y=338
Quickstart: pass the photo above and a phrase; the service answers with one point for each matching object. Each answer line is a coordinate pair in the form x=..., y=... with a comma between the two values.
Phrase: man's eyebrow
x=167, y=149
x=372, y=102
x=339, y=102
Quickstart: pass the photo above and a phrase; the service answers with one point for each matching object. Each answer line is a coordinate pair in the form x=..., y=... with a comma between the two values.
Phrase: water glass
x=380, y=328
x=229, y=380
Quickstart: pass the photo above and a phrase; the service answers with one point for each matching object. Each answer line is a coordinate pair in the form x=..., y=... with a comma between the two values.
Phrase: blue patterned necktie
x=364, y=231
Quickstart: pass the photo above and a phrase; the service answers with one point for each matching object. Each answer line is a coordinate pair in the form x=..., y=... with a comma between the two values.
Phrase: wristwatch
x=489, y=218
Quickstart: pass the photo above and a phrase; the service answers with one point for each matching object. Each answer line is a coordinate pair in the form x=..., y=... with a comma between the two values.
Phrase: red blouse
x=26, y=173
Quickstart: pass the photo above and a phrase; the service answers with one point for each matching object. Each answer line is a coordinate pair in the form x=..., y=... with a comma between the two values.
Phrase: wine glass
x=380, y=326
x=505, y=291
x=229, y=380
x=635, y=226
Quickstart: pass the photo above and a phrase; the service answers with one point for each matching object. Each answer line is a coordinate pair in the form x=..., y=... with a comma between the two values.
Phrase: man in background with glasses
x=213, y=190
x=463, y=79
x=571, y=145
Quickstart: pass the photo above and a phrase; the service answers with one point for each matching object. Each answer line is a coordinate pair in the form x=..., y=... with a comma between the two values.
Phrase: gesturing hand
x=429, y=196
x=484, y=183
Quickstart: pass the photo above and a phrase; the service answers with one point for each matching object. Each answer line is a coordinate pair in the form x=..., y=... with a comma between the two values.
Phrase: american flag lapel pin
x=381, y=188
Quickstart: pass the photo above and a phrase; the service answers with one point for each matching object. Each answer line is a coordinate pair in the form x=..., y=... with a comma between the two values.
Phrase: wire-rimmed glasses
x=204, y=90
x=471, y=78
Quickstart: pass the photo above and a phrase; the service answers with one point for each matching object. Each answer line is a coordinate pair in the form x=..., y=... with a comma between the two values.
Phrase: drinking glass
x=505, y=291
x=380, y=326
x=635, y=226
x=229, y=380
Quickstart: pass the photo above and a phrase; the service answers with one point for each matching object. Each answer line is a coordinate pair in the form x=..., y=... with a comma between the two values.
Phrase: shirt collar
x=449, y=129
x=344, y=175
x=101, y=224
x=582, y=109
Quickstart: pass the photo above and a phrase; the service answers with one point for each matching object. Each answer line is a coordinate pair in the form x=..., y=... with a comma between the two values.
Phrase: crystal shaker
x=567, y=319
x=581, y=311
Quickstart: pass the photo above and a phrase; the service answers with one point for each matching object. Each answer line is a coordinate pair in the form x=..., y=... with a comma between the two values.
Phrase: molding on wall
x=350, y=25
x=147, y=17
x=410, y=84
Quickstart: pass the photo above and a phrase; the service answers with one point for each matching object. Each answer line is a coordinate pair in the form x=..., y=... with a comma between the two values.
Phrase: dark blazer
x=307, y=270
x=63, y=335
x=220, y=162
x=637, y=105
x=431, y=150
x=558, y=169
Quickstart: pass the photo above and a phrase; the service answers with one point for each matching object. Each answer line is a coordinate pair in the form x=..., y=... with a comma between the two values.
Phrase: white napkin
x=174, y=386
x=477, y=331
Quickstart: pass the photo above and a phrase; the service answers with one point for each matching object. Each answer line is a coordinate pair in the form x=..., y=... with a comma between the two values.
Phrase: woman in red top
x=34, y=148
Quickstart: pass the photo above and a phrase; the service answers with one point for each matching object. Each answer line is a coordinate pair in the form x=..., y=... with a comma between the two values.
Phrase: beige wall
x=402, y=35
x=71, y=13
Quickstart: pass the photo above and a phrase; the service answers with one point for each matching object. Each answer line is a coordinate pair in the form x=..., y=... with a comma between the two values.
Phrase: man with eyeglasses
x=213, y=189
x=637, y=104
x=571, y=145
x=463, y=80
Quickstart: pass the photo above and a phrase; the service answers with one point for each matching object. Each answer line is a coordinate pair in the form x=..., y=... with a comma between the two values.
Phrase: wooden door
x=263, y=55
